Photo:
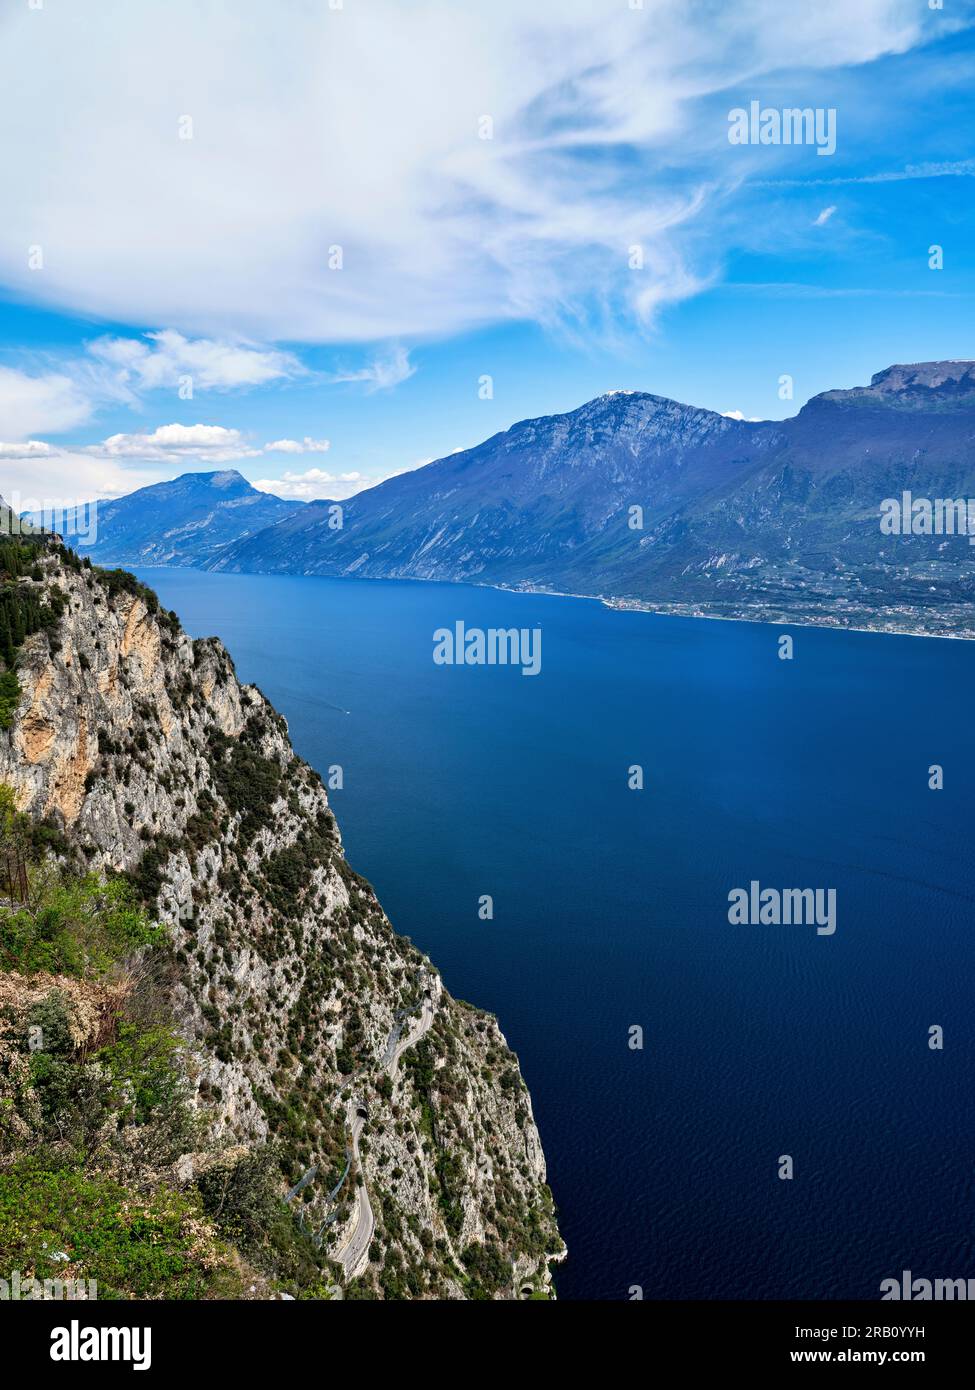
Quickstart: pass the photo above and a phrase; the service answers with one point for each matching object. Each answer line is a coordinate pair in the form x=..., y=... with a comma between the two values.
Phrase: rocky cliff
x=397, y=1112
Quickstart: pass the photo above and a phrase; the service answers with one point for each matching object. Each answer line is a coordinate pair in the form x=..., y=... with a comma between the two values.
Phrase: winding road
x=353, y=1255
x=397, y=1046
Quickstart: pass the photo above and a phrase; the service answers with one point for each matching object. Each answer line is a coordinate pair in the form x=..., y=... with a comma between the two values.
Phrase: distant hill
x=183, y=522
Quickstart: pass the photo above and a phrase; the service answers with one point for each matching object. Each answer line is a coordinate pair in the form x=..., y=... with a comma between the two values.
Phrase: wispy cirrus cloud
x=791, y=289
x=64, y=392
x=505, y=163
x=383, y=372
x=934, y=169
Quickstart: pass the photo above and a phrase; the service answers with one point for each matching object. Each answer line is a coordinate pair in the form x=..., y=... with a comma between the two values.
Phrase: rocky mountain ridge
x=645, y=502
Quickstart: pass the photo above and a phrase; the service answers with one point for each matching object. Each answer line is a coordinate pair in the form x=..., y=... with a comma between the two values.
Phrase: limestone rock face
x=143, y=748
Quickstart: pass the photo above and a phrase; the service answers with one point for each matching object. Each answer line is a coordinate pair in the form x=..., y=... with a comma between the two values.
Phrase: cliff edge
x=400, y=1126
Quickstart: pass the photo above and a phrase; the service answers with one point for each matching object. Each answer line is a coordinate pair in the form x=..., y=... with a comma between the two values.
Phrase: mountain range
x=638, y=500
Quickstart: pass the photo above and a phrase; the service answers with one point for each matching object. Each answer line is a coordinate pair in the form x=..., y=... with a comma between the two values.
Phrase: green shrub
x=74, y=926
x=145, y=1065
x=148, y=878
x=244, y=1201
x=247, y=782
x=134, y=1246
x=487, y=1269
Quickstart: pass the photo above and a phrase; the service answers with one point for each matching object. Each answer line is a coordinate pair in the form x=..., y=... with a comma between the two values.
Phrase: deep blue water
x=611, y=908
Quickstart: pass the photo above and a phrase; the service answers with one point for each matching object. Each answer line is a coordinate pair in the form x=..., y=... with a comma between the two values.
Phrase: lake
x=611, y=907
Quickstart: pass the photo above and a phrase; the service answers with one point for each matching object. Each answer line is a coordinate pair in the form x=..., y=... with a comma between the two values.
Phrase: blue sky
x=178, y=185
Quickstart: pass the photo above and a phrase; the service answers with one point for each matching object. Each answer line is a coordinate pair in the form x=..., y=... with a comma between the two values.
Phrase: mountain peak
x=643, y=404
x=907, y=376
x=912, y=384
x=184, y=521
x=222, y=478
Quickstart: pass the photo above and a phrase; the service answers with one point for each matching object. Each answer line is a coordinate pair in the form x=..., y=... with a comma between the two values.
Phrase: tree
x=14, y=846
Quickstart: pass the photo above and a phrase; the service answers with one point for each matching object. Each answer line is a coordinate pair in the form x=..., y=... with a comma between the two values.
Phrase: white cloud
x=439, y=230
x=165, y=358
x=173, y=444
x=315, y=483
x=941, y=169
x=177, y=441
x=29, y=449
x=385, y=371
x=740, y=415
x=824, y=216
x=298, y=446
x=67, y=478
x=118, y=370
x=48, y=403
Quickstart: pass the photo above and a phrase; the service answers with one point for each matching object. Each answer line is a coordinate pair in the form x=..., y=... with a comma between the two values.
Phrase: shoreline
x=637, y=606
x=615, y=604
